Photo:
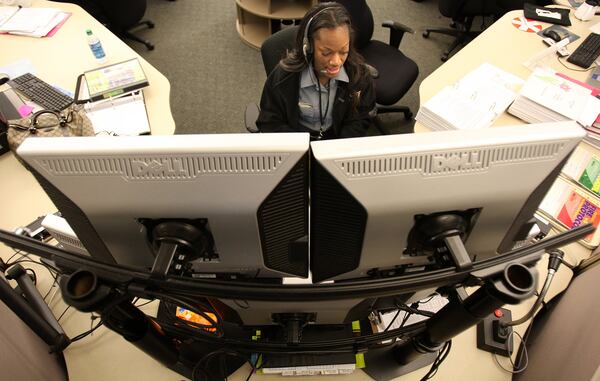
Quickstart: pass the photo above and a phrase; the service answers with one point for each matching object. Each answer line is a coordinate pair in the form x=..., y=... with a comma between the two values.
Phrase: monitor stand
x=382, y=366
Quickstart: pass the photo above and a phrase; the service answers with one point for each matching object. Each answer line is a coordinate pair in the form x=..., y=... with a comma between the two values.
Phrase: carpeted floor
x=214, y=75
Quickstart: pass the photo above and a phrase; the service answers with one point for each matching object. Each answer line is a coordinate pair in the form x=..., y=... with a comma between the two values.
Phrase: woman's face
x=330, y=50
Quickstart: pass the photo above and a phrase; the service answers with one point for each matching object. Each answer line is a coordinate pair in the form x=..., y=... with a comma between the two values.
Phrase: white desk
x=506, y=47
x=105, y=355
x=58, y=60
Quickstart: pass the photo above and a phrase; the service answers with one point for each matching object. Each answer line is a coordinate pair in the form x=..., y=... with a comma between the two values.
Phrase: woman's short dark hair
x=325, y=15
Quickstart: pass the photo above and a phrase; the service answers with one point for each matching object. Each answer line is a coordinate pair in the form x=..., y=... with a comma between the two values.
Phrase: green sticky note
x=360, y=361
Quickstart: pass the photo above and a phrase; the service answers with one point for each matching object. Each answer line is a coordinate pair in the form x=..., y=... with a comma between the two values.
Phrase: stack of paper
x=549, y=97
x=473, y=102
x=32, y=22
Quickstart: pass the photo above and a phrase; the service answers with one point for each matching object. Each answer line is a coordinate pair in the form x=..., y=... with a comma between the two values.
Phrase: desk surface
x=107, y=356
x=60, y=58
x=506, y=47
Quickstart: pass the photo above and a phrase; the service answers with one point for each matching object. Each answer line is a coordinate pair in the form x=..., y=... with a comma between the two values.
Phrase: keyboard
x=40, y=92
x=587, y=52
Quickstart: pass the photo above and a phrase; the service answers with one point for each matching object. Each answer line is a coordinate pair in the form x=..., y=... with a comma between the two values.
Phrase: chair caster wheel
x=444, y=57
x=426, y=34
x=149, y=46
x=150, y=25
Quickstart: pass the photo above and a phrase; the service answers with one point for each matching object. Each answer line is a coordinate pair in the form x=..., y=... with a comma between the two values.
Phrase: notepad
x=123, y=115
x=31, y=21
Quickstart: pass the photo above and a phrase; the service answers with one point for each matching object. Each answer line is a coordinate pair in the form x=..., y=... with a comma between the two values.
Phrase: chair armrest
x=374, y=73
x=250, y=117
x=397, y=31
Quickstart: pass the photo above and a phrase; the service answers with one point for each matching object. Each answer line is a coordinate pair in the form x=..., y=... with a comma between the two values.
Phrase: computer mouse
x=553, y=35
x=3, y=78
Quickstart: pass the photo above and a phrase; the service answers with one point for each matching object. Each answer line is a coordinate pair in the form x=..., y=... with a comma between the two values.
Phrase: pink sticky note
x=25, y=110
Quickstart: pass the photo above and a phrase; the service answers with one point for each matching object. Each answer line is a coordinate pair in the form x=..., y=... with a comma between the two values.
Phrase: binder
x=115, y=102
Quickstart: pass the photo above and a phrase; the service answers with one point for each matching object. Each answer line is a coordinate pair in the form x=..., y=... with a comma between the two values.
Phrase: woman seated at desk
x=322, y=86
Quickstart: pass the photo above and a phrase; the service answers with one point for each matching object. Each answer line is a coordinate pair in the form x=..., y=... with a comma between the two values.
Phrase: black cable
x=347, y=345
x=442, y=354
x=413, y=310
x=253, y=366
x=404, y=320
x=428, y=299
x=574, y=69
x=34, y=275
x=17, y=252
x=50, y=289
x=51, y=269
x=88, y=332
x=393, y=320
x=143, y=304
x=63, y=313
x=567, y=264
x=515, y=369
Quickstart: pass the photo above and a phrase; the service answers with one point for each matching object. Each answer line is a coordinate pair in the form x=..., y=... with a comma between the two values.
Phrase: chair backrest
x=123, y=15
x=362, y=21
x=456, y=9
x=274, y=48
x=23, y=354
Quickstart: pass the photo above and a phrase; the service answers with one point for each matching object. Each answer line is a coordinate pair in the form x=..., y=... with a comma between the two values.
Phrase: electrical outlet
x=493, y=336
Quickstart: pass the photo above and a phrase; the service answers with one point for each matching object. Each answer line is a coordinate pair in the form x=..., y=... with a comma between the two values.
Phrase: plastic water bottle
x=96, y=46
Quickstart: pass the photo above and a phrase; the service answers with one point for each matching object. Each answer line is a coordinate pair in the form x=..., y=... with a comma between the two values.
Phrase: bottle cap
x=88, y=32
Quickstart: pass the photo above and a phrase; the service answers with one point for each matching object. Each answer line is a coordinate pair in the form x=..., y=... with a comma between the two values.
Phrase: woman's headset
x=307, y=48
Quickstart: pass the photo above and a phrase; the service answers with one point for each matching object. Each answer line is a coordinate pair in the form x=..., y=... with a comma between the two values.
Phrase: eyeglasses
x=45, y=119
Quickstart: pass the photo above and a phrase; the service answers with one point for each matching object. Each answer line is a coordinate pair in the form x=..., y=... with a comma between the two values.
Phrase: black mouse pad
x=561, y=31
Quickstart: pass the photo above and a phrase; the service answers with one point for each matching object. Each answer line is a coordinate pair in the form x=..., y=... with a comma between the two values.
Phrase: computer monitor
x=368, y=195
x=236, y=205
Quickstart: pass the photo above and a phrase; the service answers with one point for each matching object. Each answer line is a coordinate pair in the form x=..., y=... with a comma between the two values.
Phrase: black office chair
x=118, y=16
x=272, y=50
x=462, y=13
x=125, y=16
x=396, y=72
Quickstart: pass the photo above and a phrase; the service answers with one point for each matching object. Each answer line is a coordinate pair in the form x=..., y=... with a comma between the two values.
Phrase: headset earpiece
x=305, y=48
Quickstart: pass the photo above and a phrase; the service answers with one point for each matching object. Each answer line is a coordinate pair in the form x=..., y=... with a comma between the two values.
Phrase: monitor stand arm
x=32, y=308
x=516, y=283
x=443, y=233
x=84, y=291
x=180, y=238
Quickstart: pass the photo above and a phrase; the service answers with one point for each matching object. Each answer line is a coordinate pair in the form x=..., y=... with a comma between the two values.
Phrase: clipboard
x=112, y=80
